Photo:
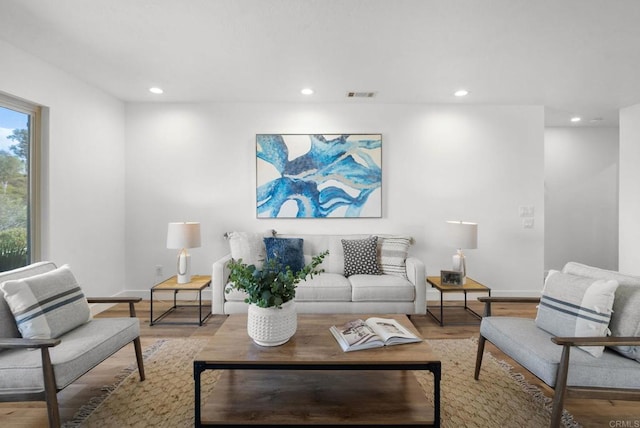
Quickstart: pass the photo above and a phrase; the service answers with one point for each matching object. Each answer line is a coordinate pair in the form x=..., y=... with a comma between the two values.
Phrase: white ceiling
x=572, y=56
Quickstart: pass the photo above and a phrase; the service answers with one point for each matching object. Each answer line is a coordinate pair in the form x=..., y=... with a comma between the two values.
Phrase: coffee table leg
x=436, y=395
x=197, y=372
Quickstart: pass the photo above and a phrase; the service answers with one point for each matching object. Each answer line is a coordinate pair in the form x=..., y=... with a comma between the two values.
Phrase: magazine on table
x=372, y=333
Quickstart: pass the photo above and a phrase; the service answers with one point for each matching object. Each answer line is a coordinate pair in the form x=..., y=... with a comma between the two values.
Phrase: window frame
x=34, y=172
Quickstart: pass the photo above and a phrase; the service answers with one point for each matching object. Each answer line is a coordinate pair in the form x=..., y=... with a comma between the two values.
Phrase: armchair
x=37, y=376
x=557, y=362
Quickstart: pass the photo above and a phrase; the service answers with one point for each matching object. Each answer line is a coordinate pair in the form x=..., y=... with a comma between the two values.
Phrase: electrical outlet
x=158, y=270
x=527, y=223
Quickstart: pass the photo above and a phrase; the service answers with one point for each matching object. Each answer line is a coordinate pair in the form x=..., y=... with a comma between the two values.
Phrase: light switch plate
x=526, y=210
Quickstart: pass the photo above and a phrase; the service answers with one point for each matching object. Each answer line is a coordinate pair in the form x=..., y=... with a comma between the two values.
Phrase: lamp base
x=460, y=265
x=184, y=279
x=184, y=267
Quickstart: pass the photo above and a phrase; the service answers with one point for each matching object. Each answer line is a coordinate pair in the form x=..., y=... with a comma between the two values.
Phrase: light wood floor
x=591, y=413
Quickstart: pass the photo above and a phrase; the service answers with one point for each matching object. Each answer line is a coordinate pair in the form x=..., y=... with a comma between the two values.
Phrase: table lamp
x=182, y=236
x=462, y=235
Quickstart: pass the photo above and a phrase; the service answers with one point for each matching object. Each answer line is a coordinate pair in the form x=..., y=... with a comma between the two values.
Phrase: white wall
x=581, y=197
x=629, y=251
x=196, y=162
x=83, y=176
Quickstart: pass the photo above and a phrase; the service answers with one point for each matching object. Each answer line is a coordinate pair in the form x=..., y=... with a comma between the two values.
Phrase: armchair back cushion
x=8, y=327
x=625, y=320
x=47, y=305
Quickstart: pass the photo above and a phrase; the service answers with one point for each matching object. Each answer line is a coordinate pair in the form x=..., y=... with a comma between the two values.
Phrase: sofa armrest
x=487, y=300
x=417, y=276
x=17, y=343
x=219, y=279
x=129, y=300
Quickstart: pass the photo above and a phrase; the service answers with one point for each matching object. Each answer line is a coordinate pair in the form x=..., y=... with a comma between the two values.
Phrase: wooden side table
x=198, y=283
x=471, y=286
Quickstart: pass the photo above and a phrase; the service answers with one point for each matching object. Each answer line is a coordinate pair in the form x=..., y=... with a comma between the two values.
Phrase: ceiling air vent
x=361, y=94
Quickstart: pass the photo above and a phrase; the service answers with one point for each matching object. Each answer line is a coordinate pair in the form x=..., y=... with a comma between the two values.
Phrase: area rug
x=165, y=399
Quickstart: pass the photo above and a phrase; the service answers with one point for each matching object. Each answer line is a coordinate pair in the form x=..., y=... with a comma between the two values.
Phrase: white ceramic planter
x=272, y=326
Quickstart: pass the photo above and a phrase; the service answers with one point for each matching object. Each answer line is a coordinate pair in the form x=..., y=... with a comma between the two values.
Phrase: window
x=19, y=178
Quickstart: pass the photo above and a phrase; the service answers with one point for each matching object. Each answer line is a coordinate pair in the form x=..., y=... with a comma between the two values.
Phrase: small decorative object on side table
x=471, y=286
x=451, y=277
x=197, y=284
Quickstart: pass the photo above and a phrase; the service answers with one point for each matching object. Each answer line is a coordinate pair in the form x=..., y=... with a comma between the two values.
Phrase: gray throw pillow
x=360, y=256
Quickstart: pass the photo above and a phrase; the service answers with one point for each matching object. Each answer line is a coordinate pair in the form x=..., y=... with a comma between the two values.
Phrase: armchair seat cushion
x=532, y=348
x=81, y=350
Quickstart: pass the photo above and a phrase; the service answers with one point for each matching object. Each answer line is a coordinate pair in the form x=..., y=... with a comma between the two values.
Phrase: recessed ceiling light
x=576, y=119
x=461, y=93
x=307, y=91
x=156, y=90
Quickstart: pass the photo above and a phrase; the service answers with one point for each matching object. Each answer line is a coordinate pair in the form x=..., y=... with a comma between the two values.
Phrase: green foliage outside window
x=13, y=248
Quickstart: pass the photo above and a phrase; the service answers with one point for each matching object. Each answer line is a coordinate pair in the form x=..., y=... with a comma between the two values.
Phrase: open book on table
x=372, y=333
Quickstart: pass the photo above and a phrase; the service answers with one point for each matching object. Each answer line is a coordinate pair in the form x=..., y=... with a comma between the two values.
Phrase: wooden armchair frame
x=50, y=390
x=561, y=390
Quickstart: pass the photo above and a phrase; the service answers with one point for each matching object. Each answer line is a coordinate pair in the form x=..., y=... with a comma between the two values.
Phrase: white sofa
x=331, y=291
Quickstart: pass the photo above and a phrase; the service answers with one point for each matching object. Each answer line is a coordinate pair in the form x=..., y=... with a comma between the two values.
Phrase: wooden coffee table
x=310, y=381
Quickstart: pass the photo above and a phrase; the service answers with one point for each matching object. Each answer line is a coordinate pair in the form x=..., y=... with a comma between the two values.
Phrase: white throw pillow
x=48, y=305
x=392, y=254
x=576, y=306
x=249, y=247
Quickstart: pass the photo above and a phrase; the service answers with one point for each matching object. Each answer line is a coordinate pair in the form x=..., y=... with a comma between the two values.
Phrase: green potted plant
x=270, y=291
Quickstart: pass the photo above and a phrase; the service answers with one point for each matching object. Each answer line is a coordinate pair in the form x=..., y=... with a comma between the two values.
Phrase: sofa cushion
x=248, y=246
x=392, y=255
x=80, y=350
x=286, y=252
x=47, y=305
x=532, y=348
x=576, y=306
x=386, y=288
x=326, y=287
x=360, y=256
x=625, y=320
x=8, y=327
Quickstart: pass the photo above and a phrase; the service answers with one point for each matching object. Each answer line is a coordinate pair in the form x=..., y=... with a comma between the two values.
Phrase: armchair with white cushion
x=43, y=308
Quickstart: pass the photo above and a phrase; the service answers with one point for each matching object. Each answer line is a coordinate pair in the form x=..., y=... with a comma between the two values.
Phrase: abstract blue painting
x=318, y=176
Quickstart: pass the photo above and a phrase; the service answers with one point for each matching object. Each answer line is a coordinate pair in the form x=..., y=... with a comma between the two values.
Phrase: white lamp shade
x=462, y=235
x=183, y=235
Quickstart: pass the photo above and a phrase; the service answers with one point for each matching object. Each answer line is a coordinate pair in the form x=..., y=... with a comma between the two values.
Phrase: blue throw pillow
x=286, y=251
